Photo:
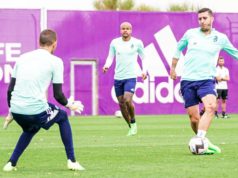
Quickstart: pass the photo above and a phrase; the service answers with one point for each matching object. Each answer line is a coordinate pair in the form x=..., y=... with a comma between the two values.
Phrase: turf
x=160, y=150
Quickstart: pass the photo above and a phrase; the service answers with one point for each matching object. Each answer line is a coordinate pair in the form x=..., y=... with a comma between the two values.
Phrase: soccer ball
x=198, y=145
x=118, y=114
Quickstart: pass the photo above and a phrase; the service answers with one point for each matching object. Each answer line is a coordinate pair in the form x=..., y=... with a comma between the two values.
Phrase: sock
x=67, y=138
x=201, y=133
x=133, y=121
x=223, y=113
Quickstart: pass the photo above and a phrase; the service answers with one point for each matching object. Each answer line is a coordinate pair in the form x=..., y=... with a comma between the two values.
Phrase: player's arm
x=173, y=74
x=229, y=48
x=182, y=44
x=10, y=90
x=218, y=76
x=12, y=84
x=59, y=95
x=143, y=60
x=57, y=81
x=110, y=58
x=69, y=103
x=9, y=118
x=227, y=77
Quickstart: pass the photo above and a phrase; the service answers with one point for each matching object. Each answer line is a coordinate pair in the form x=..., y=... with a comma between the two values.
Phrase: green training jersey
x=202, y=53
x=126, y=54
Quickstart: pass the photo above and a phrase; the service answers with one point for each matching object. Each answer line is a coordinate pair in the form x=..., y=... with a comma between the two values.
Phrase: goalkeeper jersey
x=34, y=71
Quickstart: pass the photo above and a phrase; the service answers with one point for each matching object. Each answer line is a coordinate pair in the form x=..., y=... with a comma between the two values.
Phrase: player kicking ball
x=203, y=46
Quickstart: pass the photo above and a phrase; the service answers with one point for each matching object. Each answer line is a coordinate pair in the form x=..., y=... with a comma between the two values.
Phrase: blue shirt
x=202, y=53
x=34, y=72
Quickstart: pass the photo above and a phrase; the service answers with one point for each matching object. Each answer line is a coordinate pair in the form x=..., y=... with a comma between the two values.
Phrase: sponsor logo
x=215, y=39
x=52, y=114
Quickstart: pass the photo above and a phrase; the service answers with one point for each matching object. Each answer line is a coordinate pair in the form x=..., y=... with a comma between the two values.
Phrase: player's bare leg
x=217, y=108
x=223, y=107
x=210, y=103
x=194, y=116
x=130, y=106
x=124, y=110
x=131, y=110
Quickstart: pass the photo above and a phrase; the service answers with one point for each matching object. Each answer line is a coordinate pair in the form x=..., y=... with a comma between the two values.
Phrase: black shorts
x=222, y=94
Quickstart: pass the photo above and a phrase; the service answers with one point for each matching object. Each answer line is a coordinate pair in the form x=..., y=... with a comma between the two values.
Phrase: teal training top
x=126, y=53
x=34, y=71
x=202, y=53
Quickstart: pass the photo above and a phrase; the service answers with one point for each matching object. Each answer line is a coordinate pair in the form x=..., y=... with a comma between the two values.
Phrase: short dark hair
x=205, y=9
x=47, y=37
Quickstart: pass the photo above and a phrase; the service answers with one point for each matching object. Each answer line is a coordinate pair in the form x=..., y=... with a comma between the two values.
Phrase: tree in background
x=130, y=5
x=182, y=7
x=146, y=8
x=126, y=5
x=106, y=4
x=121, y=5
x=114, y=4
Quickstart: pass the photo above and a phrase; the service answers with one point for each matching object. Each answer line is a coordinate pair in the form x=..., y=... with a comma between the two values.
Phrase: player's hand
x=105, y=69
x=219, y=79
x=173, y=74
x=75, y=106
x=7, y=120
x=144, y=76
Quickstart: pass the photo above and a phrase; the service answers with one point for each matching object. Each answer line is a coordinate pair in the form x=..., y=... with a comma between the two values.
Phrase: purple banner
x=19, y=33
x=83, y=43
x=87, y=35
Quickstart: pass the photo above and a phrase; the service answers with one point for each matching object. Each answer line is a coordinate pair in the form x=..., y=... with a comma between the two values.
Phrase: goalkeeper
x=31, y=77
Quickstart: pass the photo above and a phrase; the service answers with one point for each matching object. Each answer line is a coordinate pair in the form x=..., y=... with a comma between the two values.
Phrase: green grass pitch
x=160, y=150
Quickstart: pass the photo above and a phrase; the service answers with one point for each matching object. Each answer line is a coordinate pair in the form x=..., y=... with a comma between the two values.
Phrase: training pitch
x=160, y=150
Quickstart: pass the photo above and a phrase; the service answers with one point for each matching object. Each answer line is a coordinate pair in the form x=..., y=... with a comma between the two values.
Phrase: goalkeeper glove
x=76, y=106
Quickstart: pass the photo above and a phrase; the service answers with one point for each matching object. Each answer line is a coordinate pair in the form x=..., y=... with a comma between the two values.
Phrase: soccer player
x=222, y=76
x=126, y=49
x=31, y=77
x=197, y=81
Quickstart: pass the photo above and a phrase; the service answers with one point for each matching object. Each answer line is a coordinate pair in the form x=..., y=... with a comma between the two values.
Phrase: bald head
x=126, y=30
x=125, y=24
